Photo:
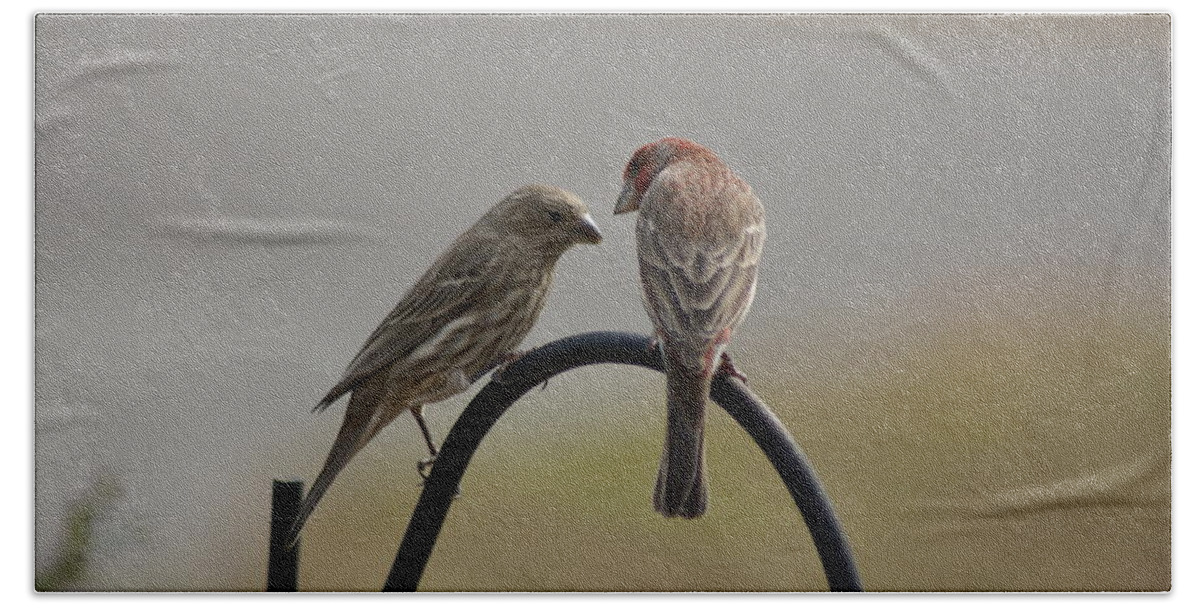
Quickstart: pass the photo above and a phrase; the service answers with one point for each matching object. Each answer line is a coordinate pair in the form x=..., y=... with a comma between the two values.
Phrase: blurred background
x=963, y=314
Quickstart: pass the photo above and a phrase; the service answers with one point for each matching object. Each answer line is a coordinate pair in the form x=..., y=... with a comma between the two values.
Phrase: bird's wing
x=435, y=306
x=699, y=270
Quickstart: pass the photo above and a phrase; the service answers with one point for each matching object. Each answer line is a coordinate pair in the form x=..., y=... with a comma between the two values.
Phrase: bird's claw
x=506, y=360
x=423, y=466
x=728, y=368
x=652, y=345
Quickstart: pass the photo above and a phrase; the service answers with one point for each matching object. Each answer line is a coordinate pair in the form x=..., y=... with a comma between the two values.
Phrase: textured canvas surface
x=963, y=310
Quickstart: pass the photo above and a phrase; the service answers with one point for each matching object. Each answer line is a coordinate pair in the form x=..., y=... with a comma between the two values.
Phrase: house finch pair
x=465, y=315
x=699, y=238
x=700, y=235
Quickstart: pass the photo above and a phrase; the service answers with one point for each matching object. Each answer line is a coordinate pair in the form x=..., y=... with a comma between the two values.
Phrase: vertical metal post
x=283, y=563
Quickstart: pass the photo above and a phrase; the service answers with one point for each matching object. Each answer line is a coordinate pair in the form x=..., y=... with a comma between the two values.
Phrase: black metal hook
x=541, y=364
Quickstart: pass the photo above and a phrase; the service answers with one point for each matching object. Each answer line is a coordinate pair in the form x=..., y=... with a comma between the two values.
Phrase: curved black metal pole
x=541, y=364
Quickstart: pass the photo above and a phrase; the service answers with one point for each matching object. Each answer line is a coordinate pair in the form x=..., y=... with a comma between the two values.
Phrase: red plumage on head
x=652, y=158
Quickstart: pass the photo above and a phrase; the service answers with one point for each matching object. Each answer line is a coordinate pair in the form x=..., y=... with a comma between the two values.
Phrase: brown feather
x=700, y=232
x=474, y=305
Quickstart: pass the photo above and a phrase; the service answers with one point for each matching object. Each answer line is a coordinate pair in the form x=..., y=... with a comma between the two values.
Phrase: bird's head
x=548, y=218
x=647, y=162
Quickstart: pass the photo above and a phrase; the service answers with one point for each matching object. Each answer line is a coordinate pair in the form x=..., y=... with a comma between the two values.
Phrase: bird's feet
x=423, y=466
x=506, y=360
x=509, y=359
x=727, y=367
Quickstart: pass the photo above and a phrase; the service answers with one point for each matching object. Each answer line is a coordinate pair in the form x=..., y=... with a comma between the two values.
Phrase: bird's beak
x=626, y=202
x=588, y=230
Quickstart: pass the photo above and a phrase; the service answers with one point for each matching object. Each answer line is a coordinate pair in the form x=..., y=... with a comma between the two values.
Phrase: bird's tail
x=682, y=487
x=364, y=418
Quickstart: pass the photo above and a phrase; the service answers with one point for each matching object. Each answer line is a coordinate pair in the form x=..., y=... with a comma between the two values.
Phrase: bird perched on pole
x=700, y=234
x=463, y=317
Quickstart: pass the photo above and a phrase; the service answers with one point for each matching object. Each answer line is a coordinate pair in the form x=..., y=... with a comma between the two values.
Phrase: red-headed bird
x=463, y=316
x=700, y=234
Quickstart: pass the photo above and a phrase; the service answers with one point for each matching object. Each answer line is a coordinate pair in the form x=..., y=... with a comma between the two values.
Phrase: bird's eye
x=633, y=168
x=555, y=216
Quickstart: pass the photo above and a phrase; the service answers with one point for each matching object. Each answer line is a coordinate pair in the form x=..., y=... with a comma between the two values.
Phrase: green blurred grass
x=1002, y=455
x=77, y=542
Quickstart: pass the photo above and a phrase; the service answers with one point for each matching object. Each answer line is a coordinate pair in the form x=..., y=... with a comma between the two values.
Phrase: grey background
x=227, y=205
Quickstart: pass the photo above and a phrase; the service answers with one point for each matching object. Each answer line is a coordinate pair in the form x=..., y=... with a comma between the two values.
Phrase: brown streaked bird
x=463, y=316
x=700, y=233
